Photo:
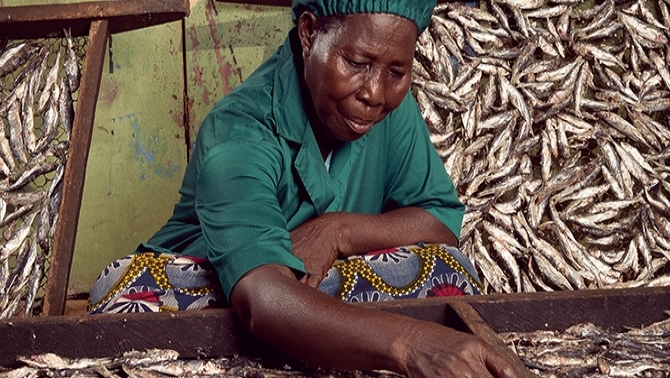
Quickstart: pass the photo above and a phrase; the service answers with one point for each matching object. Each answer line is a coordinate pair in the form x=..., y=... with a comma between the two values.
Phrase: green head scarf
x=417, y=11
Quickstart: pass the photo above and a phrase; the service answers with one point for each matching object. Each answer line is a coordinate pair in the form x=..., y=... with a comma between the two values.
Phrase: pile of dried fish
x=37, y=81
x=585, y=350
x=552, y=118
x=156, y=363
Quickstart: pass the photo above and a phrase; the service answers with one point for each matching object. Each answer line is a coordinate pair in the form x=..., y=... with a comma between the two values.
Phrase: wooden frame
x=96, y=20
x=219, y=332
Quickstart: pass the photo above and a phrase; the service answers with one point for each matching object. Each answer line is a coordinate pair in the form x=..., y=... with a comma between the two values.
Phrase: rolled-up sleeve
x=239, y=213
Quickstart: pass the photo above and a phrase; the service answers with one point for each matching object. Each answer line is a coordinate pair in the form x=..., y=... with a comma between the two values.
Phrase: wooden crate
x=96, y=21
x=219, y=332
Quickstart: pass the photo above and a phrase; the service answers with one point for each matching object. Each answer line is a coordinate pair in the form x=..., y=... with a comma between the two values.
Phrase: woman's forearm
x=320, y=330
x=404, y=226
x=324, y=332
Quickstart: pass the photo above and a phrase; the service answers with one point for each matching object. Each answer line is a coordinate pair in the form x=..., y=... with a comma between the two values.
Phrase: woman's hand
x=432, y=350
x=323, y=331
x=318, y=243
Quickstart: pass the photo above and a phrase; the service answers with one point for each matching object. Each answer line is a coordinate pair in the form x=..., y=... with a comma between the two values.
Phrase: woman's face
x=358, y=70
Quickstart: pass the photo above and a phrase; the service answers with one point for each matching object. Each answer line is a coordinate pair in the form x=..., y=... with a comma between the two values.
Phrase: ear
x=307, y=31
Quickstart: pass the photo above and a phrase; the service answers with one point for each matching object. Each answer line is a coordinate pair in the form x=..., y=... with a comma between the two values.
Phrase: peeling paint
x=193, y=34
x=177, y=117
x=141, y=151
x=223, y=71
x=197, y=76
x=148, y=150
x=108, y=92
x=126, y=116
x=168, y=170
x=205, y=96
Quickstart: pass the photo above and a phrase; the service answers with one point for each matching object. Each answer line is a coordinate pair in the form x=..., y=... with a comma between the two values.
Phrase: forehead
x=371, y=30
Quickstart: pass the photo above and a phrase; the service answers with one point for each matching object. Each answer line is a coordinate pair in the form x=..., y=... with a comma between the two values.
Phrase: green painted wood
x=142, y=132
x=137, y=155
x=224, y=44
x=138, y=152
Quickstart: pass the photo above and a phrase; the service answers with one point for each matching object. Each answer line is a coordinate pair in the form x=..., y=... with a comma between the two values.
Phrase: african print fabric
x=157, y=282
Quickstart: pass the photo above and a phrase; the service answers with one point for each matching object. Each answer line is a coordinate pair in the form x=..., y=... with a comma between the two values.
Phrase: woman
x=320, y=155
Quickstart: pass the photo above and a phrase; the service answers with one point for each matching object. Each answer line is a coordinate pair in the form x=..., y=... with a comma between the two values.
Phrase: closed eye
x=356, y=64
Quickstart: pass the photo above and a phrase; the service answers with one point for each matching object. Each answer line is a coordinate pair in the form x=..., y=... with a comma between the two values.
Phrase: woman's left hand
x=318, y=243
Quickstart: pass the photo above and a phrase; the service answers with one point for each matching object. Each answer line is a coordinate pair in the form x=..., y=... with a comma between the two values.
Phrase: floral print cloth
x=156, y=282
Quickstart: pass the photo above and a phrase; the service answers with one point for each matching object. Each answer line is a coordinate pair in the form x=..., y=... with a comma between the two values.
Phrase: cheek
x=396, y=94
x=340, y=87
x=340, y=81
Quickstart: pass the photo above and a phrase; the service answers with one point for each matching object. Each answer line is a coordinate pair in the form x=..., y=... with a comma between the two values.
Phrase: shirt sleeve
x=418, y=177
x=240, y=216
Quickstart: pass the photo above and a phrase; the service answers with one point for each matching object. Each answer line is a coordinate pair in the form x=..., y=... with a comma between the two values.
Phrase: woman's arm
x=322, y=331
x=320, y=241
x=404, y=226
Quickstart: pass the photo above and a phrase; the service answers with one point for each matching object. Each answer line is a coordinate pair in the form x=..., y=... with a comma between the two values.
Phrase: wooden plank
x=477, y=326
x=193, y=334
x=75, y=170
x=613, y=309
x=220, y=334
x=42, y=21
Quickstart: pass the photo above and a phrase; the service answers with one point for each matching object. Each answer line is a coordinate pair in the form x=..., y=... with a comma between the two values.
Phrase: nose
x=373, y=90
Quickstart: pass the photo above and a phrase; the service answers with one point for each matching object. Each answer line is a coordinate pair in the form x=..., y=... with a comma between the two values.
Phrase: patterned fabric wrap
x=157, y=282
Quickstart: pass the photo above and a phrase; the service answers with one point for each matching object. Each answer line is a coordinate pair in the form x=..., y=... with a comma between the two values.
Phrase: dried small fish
x=15, y=56
x=16, y=132
x=46, y=93
x=70, y=63
x=17, y=238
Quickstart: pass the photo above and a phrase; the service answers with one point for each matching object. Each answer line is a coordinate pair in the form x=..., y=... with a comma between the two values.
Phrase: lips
x=359, y=126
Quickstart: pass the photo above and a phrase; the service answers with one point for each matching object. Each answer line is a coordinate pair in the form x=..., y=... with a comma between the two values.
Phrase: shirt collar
x=288, y=106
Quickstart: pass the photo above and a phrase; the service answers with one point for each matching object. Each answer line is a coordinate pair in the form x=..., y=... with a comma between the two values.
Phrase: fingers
x=314, y=280
x=500, y=367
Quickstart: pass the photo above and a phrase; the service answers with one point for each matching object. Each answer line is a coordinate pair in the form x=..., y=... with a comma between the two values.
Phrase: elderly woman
x=320, y=157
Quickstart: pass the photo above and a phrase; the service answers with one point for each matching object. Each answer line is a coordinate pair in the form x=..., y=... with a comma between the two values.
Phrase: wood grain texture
x=219, y=333
x=612, y=309
x=42, y=21
x=75, y=171
x=479, y=327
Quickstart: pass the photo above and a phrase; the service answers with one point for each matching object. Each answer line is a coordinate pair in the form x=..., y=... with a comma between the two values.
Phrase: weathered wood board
x=220, y=334
x=612, y=309
x=28, y=22
x=96, y=21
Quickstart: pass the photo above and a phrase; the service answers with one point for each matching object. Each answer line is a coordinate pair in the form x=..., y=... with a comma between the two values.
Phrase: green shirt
x=256, y=173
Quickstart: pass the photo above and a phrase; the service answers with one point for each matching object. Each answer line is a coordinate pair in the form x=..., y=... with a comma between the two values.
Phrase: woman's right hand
x=323, y=331
x=432, y=350
x=318, y=243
